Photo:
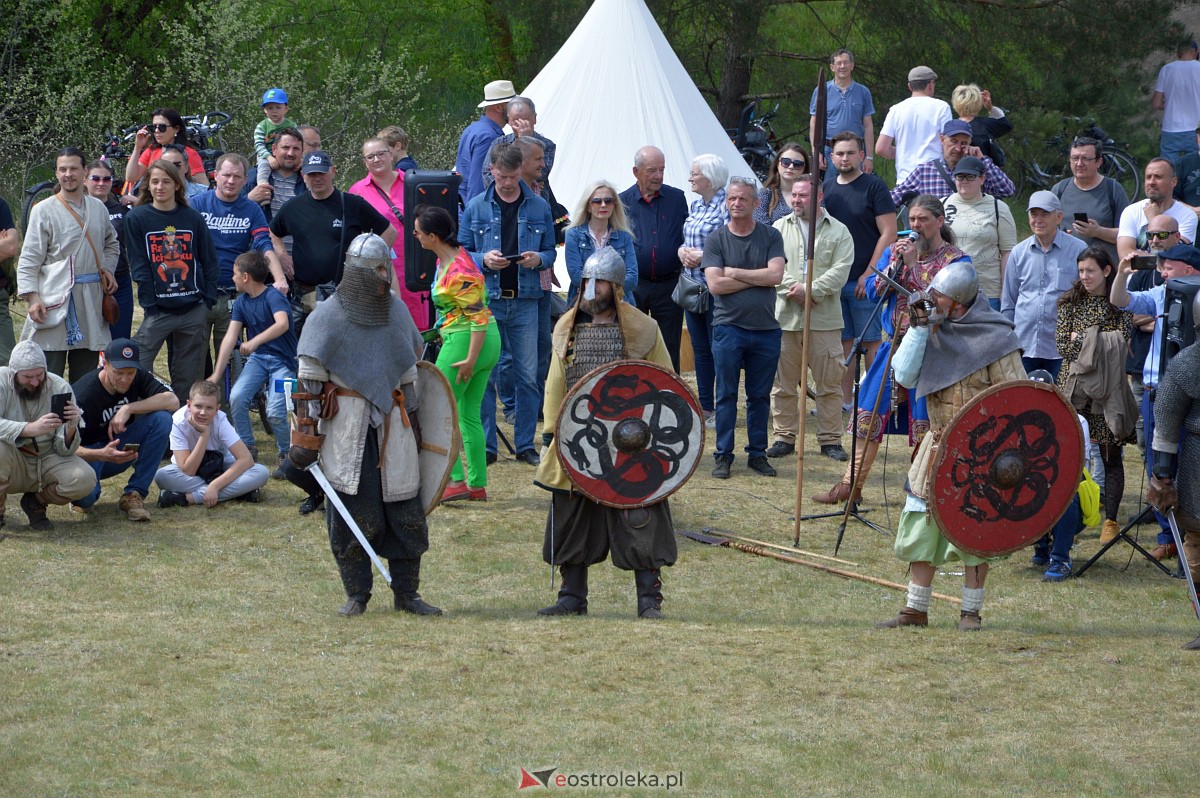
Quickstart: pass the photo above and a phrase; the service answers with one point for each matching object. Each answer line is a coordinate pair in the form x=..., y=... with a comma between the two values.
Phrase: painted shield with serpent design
x=630, y=433
x=1006, y=469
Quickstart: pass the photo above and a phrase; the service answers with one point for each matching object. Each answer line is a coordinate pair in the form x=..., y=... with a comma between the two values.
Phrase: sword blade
x=336, y=501
x=1187, y=570
x=887, y=278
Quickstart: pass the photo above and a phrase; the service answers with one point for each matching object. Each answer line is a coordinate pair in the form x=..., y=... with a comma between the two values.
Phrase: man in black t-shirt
x=322, y=223
x=123, y=406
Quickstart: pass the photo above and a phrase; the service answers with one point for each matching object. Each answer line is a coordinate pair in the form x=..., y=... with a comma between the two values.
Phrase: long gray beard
x=924, y=247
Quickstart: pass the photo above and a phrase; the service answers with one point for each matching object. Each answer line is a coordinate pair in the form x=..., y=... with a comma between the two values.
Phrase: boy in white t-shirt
x=209, y=462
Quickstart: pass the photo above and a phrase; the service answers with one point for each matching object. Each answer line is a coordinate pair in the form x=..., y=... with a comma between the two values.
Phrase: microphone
x=911, y=238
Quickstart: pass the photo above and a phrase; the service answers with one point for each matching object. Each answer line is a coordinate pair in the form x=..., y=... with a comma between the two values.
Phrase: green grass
x=201, y=654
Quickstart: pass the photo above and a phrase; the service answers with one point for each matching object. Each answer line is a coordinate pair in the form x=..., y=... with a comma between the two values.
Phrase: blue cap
x=275, y=96
x=956, y=127
x=1184, y=253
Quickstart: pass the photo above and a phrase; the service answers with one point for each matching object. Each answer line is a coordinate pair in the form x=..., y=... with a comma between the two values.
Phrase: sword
x=1187, y=569
x=315, y=469
x=887, y=278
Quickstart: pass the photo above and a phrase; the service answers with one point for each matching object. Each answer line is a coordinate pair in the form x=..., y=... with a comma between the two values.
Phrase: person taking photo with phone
x=126, y=414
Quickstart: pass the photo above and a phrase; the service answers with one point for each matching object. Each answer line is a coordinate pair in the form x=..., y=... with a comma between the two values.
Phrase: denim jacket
x=535, y=232
x=579, y=246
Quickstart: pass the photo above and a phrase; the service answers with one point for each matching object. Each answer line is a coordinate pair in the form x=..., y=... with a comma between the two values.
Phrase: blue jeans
x=757, y=353
x=700, y=330
x=1061, y=537
x=1050, y=364
x=1174, y=146
x=517, y=320
x=261, y=368
x=153, y=432
x=124, y=296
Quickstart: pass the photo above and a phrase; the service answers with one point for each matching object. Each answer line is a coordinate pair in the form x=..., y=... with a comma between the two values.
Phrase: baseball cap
x=921, y=73
x=122, y=353
x=1184, y=253
x=1044, y=201
x=969, y=165
x=317, y=161
x=275, y=96
x=956, y=127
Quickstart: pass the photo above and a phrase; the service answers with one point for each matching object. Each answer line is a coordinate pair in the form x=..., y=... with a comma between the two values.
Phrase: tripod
x=1124, y=535
x=856, y=354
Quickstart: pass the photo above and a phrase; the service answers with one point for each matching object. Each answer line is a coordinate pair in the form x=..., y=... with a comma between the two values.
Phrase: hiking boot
x=133, y=506
x=278, y=472
x=781, y=449
x=1109, y=531
x=906, y=617
x=352, y=608
x=834, y=451
x=36, y=512
x=969, y=621
x=762, y=466
x=721, y=469
x=172, y=498
x=1057, y=572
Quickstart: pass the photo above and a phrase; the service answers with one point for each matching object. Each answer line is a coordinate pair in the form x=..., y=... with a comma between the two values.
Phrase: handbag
x=110, y=309
x=691, y=294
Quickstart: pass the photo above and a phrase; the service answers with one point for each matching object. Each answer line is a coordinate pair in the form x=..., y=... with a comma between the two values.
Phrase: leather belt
x=397, y=401
x=507, y=294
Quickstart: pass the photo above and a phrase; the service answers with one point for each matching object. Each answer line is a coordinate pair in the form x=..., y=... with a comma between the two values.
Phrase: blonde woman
x=599, y=221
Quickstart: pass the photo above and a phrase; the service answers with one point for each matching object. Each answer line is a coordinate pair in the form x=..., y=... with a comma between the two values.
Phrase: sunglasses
x=1161, y=235
x=787, y=163
x=603, y=201
x=160, y=128
x=100, y=179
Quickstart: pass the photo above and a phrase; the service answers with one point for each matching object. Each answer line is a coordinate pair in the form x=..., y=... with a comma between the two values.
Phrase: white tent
x=616, y=85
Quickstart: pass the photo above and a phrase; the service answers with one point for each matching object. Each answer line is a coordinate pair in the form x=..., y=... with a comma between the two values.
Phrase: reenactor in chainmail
x=598, y=330
x=1176, y=463
x=355, y=413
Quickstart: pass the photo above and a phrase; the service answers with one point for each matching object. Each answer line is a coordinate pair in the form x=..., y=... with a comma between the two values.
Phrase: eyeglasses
x=603, y=201
x=1082, y=159
x=100, y=178
x=966, y=178
x=788, y=163
x=160, y=128
x=377, y=156
x=1161, y=235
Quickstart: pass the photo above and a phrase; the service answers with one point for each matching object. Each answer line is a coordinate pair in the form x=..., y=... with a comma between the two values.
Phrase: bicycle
x=1116, y=162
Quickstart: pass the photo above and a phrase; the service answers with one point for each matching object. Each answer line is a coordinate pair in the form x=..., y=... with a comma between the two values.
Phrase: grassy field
x=201, y=654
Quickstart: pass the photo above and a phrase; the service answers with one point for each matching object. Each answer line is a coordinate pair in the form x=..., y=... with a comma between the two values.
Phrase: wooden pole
x=809, y=249
x=788, y=549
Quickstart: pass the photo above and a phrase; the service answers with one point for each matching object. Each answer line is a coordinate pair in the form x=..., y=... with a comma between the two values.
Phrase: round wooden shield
x=1007, y=467
x=630, y=433
x=440, y=438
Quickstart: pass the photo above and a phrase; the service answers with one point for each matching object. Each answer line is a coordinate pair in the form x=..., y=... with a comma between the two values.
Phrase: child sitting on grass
x=270, y=350
x=209, y=462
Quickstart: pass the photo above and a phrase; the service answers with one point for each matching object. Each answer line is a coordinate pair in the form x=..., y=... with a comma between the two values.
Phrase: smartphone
x=58, y=405
x=1141, y=263
x=1081, y=218
x=131, y=447
x=513, y=258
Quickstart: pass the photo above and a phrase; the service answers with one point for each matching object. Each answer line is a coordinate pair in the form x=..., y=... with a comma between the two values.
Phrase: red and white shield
x=630, y=433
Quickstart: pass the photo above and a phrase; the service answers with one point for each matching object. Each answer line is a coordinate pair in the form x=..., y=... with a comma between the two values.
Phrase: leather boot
x=406, y=579
x=1192, y=646
x=907, y=617
x=649, y=593
x=352, y=607
x=35, y=510
x=837, y=494
x=572, y=596
x=969, y=621
x=1191, y=552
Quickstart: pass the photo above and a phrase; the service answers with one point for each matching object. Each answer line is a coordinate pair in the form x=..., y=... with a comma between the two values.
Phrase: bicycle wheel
x=34, y=195
x=1120, y=166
